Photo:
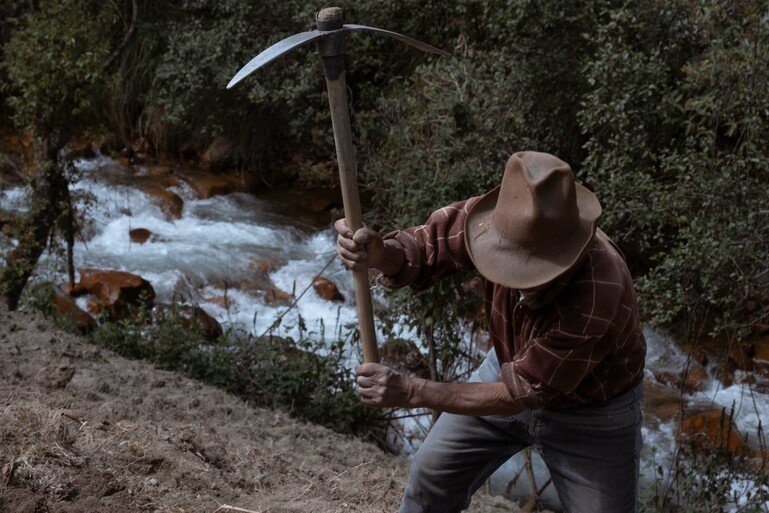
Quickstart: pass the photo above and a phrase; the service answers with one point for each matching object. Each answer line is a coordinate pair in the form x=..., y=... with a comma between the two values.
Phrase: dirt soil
x=85, y=430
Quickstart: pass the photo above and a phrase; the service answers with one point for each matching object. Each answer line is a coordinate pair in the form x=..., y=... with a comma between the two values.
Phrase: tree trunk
x=50, y=199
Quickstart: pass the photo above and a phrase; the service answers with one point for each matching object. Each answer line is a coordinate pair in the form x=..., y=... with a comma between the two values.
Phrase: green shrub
x=54, y=60
x=676, y=117
x=123, y=338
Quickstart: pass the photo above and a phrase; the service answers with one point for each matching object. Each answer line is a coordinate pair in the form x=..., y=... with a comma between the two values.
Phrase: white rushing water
x=214, y=246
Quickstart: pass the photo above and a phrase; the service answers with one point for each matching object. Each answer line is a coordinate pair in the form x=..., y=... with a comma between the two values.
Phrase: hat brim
x=506, y=263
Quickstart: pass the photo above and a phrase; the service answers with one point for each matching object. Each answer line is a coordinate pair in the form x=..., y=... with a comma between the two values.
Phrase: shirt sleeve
x=433, y=250
x=555, y=363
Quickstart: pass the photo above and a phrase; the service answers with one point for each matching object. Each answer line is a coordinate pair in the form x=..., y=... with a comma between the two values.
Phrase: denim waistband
x=627, y=398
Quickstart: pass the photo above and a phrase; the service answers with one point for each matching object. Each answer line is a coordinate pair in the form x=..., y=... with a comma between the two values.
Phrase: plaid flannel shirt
x=576, y=342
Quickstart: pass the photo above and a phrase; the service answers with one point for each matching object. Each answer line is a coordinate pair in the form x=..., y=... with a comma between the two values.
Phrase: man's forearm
x=465, y=398
x=392, y=259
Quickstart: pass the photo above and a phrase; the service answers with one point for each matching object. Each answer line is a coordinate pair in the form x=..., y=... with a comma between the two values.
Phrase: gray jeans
x=592, y=453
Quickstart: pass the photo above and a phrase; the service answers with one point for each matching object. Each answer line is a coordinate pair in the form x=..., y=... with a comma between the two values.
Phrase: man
x=565, y=372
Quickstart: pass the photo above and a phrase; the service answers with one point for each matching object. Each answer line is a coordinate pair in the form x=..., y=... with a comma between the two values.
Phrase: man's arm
x=417, y=256
x=383, y=387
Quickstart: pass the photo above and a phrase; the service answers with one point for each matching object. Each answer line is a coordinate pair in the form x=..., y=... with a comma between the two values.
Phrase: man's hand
x=364, y=248
x=382, y=387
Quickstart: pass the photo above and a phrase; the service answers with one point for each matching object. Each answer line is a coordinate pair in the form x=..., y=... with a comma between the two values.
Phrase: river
x=214, y=245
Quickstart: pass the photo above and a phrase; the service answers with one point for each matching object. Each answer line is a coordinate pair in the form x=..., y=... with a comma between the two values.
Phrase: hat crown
x=537, y=203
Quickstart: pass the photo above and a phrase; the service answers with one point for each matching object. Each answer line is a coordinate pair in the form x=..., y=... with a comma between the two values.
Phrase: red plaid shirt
x=579, y=341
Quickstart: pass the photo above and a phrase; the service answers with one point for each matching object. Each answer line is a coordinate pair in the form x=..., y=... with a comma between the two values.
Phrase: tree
x=55, y=64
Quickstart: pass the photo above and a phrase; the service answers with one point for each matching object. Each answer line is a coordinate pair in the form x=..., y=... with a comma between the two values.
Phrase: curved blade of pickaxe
x=275, y=51
x=400, y=37
x=291, y=42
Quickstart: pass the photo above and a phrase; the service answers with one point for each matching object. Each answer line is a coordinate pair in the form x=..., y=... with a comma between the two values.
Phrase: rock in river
x=169, y=202
x=327, y=289
x=139, y=235
x=118, y=291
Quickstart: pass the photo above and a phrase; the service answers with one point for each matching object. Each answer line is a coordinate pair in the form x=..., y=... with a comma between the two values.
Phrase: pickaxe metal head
x=331, y=36
x=328, y=25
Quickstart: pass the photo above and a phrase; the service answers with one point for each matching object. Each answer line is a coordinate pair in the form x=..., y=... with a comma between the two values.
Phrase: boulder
x=191, y=318
x=219, y=156
x=327, y=289
x=713, y=430
x=259, y=281
x=207, y=185
x=157, y=170
x=120, y=292
x=751, y=355
x=275, y=296
x=65, y=308
x=139, y=235
x=404, y=355
x=169, y=202
x=248, y=182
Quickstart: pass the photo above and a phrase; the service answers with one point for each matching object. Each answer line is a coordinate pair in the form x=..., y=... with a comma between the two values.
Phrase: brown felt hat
x=535, y=226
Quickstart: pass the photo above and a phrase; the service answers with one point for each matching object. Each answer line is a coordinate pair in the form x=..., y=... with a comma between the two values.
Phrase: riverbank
x=83, y=429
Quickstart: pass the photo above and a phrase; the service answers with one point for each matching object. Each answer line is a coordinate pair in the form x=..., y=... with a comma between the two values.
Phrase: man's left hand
x=382, y=387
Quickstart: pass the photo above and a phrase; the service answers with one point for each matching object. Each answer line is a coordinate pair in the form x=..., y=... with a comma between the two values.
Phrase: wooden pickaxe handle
x=348, y=178
x=332, y=49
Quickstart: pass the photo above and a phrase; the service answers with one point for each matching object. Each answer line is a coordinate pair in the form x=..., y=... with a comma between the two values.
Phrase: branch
x=131, y=29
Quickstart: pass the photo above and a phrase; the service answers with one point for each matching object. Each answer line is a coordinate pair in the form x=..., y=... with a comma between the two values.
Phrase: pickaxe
x=331, y=35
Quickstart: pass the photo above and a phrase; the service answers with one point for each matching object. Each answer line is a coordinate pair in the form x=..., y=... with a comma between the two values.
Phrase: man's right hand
x=364, y=248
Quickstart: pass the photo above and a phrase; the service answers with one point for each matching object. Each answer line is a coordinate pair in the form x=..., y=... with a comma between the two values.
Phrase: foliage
x=9, y=12
x=282, y=109
x=54, y=61
x=676, y=117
